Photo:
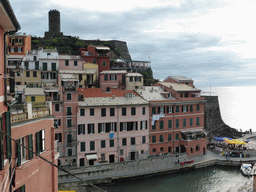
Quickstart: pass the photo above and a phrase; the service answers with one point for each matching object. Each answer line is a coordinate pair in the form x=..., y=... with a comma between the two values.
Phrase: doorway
x=132, y=155
x=177, y=149
x=111, y=158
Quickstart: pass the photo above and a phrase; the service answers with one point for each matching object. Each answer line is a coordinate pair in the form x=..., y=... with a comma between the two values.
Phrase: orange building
x=18, y=44
x=176, y=117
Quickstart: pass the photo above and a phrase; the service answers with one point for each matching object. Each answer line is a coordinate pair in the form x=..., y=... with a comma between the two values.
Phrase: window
x=161, y=149
x=191, y=122
x=153, y=110
x=104, y=63
x=113, y=77
x=26, y=65
x=91, y=112
x=111, y=143
x=198, y=148
x=66, y=62
x=20, y=49
x=131, y=79
x=37, y=65
x=161, y=138
x=169, y=124
x=197, y=121
x=108, y=89
x=143, y=125
x=101, y=127
x=161, y=110
x=177, y=109
x=53, y=66
x=177, y=123
x=92, y=145
x=198, y=107
x=57, y=107
x=154, y=126
x=69, y=123
x=103, y=112
x=69, y=96
x=81, y=162
x=75, y=63
x=184, y=122
x=185, y=108
x=123, y=111
x=90, y=128
x=69, y=110
x=58, y=137
x=102, y=156
x=143, y=139
x=170, y=109
x=143, y=110
x=103, y=143
x=153, y=139
x=124, y=142
x=44, y=66
x=82, y=112
x=169, y=149
x=133, y=141
x=81, y=129
x=112, y=111
x=33, y=98
x=40, y=141
x=105, y=77
x=34, y=74
x=138, y=79
x=69, y=138
x=177, y=136
x=191, y=108
x=169, y=137
x=22, y=150
x=161, y=125
x=154, y=150
x=94, y=61
x=27, y=73
x=82, y=146
x=121, y=152
x=133, y=111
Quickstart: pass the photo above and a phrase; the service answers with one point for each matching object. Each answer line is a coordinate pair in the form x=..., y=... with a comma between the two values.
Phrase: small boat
x=246, y=169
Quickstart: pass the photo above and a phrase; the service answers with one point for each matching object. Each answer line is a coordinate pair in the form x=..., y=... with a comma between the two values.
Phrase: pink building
x=112, y=127
x=70, y=62
x=112, y=79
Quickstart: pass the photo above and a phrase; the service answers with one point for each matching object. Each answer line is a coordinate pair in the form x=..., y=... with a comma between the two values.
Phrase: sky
x=210, y=41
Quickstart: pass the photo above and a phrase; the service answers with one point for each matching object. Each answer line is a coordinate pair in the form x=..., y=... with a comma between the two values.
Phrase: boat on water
x=246, y=169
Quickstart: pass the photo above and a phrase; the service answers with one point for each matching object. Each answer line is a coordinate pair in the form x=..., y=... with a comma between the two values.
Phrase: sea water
x=237, y=105
x=209, y=179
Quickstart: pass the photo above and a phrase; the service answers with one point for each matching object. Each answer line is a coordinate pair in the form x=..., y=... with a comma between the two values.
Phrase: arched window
x=192, y=149
x=198, y=148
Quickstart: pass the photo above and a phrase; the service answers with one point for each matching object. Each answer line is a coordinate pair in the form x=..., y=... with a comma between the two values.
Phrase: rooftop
x=179, y=86
x=113, y=72
x=153, y=93
x=34, y=91
x=134, y=75
x=179, y=78
x=70, y=57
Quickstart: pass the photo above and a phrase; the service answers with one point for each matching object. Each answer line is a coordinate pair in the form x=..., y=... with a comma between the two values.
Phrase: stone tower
x=54, y=24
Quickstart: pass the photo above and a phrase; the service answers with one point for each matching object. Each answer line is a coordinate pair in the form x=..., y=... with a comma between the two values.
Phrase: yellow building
x=34, y=95
x=90, y=79
x=134, y=81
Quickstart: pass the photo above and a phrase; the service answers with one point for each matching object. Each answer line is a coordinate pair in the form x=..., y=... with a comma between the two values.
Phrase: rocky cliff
x=214, y=124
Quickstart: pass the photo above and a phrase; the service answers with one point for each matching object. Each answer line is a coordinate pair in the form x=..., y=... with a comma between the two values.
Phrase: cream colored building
x=134, y=81
x=34, y=95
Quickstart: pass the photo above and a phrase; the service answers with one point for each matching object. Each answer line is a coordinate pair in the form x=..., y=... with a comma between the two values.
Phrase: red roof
x=96, y=92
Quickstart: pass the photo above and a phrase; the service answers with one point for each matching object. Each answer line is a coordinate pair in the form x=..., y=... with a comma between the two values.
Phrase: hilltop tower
x=54, y=24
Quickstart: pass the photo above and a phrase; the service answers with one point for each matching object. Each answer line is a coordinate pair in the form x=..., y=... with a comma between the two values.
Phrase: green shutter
x=53, y=66
x=169, y=124
x=30, y=146
x=1, y=146
x=161, y=124
x=18, y=153
x=38, y=143
x=22, y=188
x=44, y=66
x=8, y=131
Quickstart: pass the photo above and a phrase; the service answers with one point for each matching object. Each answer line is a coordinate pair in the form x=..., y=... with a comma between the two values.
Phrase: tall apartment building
x=112, y=127
x=176, y=117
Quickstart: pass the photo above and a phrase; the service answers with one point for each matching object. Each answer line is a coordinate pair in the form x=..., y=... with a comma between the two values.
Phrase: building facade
x=176, y=118
x=112, y=79
x=112, y=127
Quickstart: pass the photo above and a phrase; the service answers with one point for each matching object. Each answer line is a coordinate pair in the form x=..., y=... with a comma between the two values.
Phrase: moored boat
x=246, y=169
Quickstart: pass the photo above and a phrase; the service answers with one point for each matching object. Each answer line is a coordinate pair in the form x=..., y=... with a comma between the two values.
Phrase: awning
x=90, y=157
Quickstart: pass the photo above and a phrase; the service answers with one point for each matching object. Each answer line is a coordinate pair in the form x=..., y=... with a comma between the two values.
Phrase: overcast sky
x=210, y=41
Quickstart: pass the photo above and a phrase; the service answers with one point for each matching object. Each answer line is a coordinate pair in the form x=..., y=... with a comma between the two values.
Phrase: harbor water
x=210, y=179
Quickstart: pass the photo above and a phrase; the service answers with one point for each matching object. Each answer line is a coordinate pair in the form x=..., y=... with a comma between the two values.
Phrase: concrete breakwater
x=151, y=167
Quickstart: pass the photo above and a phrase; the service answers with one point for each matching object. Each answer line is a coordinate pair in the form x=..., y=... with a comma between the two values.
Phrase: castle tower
x=54, y=21
x=54, y=24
